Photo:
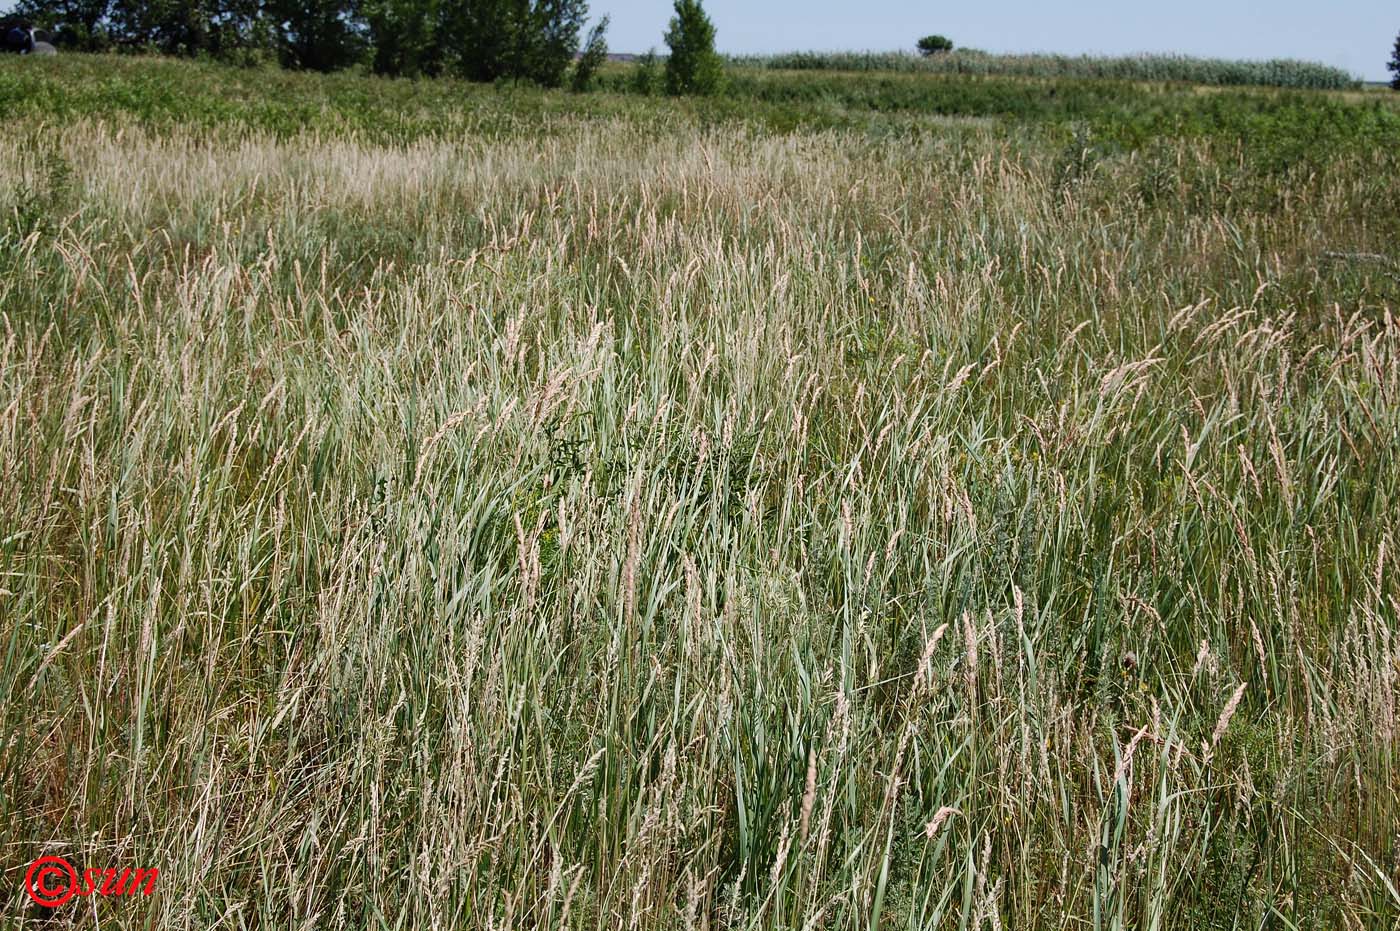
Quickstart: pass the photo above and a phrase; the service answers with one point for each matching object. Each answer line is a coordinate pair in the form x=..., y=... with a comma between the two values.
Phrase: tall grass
x=1185, y=68
x=636, y=519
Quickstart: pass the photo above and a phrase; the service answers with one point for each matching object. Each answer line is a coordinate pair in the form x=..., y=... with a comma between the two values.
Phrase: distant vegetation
x=479, y=40
x=1273, y=131
x=934, y=45
x=1274, y=73
x=539, y=41
x=1277, y=129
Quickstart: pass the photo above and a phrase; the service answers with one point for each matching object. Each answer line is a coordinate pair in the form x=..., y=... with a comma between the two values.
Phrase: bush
x=646, y=76
x=693, y=67
x=933, y=45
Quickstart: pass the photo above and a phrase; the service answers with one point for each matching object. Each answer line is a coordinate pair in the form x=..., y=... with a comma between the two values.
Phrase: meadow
x=857, y=501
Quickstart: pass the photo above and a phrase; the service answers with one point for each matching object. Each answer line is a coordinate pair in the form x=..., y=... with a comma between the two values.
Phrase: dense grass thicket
x=1211, y=71
x=433, y=506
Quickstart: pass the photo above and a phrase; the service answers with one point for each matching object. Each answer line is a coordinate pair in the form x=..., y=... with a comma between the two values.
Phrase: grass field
x=1211, y=71
x=855, y=502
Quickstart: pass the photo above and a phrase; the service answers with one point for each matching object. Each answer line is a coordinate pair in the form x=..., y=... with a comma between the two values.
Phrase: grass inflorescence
x=425, y=506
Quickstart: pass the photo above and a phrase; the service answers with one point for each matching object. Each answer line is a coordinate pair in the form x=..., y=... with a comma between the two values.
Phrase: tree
x=220, y=28
x=403, y=35
x=934, y=45
x=481, y=40
x=484, y=40
x=595, y=53
x=472, y=38
x=549, y=41
x=318, y=35
x=75, y=24
x=693, y=66
x=1394, y=65
x=231, y=30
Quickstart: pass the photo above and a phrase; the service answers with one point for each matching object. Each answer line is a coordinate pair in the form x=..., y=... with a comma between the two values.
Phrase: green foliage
x=1277, y=73
x=646, y=77
x=487, y=40
x=39, y=207
x=216, y=28
x=402, y=35
x=316, y=35
x=934, y=45
x=1273, y=131
x=1276, y=130
x=595, y=55
x=81, y=25
x=549, y=39
x=481, y=40
x=693, y=66
x=320, y=35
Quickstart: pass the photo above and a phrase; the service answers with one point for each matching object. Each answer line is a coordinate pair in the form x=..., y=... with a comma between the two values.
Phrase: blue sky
x=1353, y=34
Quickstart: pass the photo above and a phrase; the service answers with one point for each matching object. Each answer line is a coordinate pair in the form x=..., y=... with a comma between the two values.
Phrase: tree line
x=541, y=41
x=478, y=39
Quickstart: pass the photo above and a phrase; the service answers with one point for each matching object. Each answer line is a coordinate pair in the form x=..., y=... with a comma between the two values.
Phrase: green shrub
x=646, y=76
x=934, y=45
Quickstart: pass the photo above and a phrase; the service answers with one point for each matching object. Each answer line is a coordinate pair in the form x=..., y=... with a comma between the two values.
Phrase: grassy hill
x=856, y=501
